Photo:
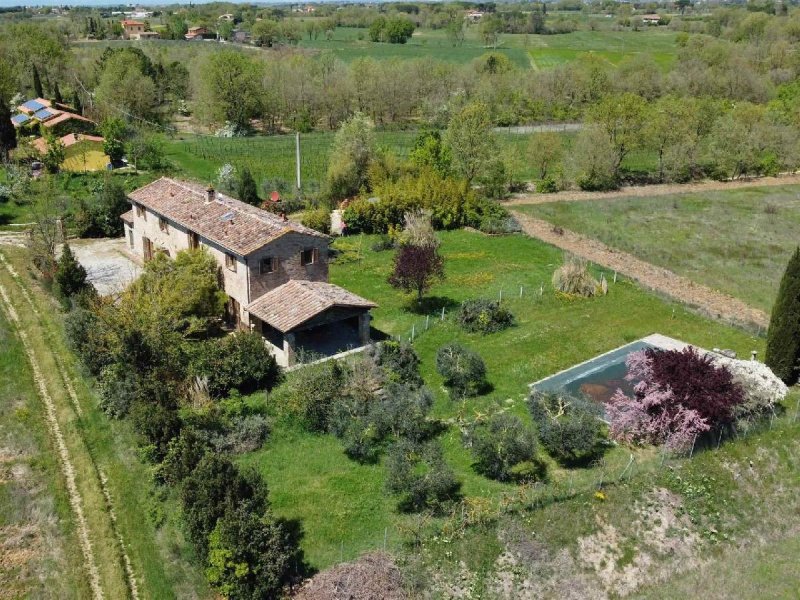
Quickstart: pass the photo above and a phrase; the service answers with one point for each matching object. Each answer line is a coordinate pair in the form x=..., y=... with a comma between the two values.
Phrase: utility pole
x=297, y=160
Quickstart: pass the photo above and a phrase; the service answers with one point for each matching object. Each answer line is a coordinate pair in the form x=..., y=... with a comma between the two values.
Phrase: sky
x=6, y=3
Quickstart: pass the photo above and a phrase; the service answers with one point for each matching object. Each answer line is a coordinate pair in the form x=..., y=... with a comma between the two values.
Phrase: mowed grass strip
x=736, y=241
x=42, y=557
x=341, y=504
x=160, y=557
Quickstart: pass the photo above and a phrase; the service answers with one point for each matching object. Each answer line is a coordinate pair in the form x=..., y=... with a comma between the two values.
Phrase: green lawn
x=737, y=241
x=341, y=503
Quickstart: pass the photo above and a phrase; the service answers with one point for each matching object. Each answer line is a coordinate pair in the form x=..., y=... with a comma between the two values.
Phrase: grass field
x=526, y=51
x=39, y=549
x=271, y=159
x=341, y=503
x=85, y=156
x=737, y=241
x=147, y=526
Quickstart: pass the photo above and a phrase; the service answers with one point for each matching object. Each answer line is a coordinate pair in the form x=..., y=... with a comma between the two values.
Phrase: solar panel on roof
x=20, y=119
x=43, y=114
x=227, y=216
x=34, y=105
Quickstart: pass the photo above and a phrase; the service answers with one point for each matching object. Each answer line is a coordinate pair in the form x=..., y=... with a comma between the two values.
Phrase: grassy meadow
x=737, y=241
x=524, y=50
x=342, y=504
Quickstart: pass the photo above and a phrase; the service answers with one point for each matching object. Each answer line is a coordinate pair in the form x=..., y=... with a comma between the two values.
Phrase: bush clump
x=310, y=394
x=318, y=219
x=421, y=478
x=504, y=448
x=573, y=278
x=679, y=395
x=570, y=428
x=463, y=370
x=399, y=360
x=239, y=362
x=484, y=316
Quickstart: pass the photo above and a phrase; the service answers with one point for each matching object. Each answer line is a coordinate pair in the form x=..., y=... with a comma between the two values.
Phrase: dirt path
x=706, y=300
x=76, y=500
x=646, y=191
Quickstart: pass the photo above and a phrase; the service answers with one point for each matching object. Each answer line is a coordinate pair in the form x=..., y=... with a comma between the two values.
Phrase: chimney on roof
x=210, y=194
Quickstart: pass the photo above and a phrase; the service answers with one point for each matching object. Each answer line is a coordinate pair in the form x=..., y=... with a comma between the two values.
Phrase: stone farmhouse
x=274, y=271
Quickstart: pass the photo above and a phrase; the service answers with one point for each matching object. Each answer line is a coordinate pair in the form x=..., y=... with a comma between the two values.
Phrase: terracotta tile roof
x=127, y=217
x=295, y=302
x=234, y=225
x=65, y=116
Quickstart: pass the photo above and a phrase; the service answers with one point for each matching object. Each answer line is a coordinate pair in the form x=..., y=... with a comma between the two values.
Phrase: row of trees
x=160, y=366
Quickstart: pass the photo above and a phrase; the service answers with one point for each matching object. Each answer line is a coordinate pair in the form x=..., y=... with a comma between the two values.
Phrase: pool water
x=598, y=378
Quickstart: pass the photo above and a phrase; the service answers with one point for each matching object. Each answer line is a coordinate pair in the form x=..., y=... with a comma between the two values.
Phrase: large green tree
x=470, y=141
x=351, y=155
x=125, y=86
x=229, y=88
x=783, y=337
x=622, y=118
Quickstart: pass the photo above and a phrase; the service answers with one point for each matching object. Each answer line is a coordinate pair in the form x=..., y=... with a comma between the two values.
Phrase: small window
x=230, y=262
x=194, y=240
x=267, y=265
x=307, y=256
x=163, y=225
x=130, y=238
x=140, y=212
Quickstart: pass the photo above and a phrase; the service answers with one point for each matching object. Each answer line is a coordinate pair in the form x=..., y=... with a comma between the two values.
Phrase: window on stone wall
x=141, y=212
x=163, y=224
x=267, y=265
x=230, y=262
x=308, y=256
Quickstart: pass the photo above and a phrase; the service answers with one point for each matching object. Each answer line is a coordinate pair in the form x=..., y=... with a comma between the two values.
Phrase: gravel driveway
x=109, y=267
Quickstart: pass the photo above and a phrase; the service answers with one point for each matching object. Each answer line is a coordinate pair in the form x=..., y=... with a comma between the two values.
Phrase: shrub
x=569, y=428
x=310, y=393
x=421, y=478
x=399, y=359
x=505, y=449
x=184, y=453
x=70, y=277
x=243, y=433
x=318, y=219
x=158, y=423
x=215, y=487
x=484, y=316
x=251, y=555
x=463, y=370
x=236, y=362
x=548, y=185
x=402, y=411
x=416, y=268
x=573, y=277
x=87, y=336
x=679, y=396
x=762, y=389
x=783, y=337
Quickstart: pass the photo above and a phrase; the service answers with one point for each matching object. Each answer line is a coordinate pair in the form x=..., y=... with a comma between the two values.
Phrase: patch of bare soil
x=708, y=301
x=646, y=191
x=372, y=577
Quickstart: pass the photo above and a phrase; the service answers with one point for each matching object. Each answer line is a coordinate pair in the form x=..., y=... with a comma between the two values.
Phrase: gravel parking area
x=108, y=265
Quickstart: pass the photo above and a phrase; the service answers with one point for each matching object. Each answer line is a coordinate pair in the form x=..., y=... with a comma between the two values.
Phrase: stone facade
x=242, y=277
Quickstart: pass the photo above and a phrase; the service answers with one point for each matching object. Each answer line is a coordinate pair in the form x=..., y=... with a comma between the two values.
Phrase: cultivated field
x=342, y=504
x=531, y=51
x=737, y=241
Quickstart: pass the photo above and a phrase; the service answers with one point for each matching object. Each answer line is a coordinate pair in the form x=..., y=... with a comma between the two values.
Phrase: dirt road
x=706, y=300
x=646, y=191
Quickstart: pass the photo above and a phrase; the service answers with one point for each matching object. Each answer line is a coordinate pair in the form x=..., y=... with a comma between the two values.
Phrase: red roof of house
x=65, y=116
x=234, y=225
x=290, y=305
x=127, y=23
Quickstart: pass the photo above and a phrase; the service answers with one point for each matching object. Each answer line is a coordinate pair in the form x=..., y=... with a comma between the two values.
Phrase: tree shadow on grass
x=430, y=305
x=300, y=569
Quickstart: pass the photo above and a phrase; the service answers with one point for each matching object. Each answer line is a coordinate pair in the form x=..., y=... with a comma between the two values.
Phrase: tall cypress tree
x=247, y=188
x=37, y=83
x=783, y=338
x=8, y=135
x=57, y=94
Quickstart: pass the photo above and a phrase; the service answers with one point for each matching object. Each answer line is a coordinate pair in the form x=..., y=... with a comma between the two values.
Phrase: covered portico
x=311, y=316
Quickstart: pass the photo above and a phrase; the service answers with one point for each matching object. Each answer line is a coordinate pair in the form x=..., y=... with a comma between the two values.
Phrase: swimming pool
x=600, y=377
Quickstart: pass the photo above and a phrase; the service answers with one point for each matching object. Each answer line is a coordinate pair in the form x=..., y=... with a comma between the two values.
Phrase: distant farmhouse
x=273, y=270
x=199, y=33
x=58, y=118
x=131, y=30
x=651, y=19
